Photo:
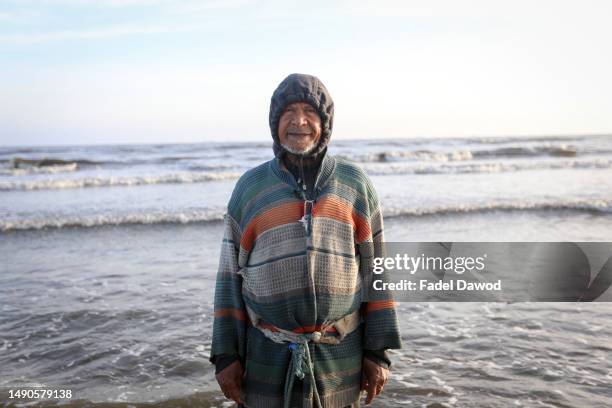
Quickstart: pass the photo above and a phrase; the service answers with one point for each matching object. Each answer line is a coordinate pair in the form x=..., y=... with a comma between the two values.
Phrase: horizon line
x=497, y=136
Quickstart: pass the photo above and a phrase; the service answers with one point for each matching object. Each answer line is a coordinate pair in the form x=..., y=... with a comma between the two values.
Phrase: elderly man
x=295, y=324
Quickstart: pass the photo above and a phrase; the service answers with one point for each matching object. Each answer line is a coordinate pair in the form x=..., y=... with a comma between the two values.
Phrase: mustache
x=299, y=131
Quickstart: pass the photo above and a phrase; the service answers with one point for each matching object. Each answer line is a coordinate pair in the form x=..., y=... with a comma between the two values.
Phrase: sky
x=165, y=71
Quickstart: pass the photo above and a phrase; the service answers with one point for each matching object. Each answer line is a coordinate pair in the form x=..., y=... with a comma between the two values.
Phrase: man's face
x=299, y=128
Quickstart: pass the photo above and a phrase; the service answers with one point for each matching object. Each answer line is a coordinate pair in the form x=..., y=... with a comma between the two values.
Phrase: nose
x=299, y=119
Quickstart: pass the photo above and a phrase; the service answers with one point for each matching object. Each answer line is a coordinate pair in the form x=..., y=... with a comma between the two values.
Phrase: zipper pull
x=304, y=223
x=307, y=217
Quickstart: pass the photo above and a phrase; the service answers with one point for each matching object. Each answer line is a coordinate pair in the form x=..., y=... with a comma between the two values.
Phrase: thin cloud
x=103, y=33
x=18, y=17
x=201, y=4
x=7, y=17
x=96, y=3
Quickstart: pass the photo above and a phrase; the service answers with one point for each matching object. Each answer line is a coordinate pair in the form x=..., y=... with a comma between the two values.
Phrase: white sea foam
x=408, y=155
x=376, y=169
x=513, y=150
x=216, y=214
x=597, y=206
x=100, y=220
x=57, y=184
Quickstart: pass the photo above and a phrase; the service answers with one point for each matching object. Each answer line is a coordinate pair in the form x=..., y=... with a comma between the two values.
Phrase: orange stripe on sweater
x=283, y=214
x=235, y=313
x=340, y=210
x=379, y=305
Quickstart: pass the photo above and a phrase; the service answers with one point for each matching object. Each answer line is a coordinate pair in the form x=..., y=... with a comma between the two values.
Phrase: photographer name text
x=438, y=285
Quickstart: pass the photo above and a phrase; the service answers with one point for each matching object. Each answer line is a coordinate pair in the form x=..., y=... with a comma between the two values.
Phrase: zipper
x=306, y=219
x=306, y=222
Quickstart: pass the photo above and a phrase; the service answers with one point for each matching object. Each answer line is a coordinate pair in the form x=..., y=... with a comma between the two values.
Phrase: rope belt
x=300, y=364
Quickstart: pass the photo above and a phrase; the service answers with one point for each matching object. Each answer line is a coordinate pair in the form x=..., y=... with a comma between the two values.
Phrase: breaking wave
x=57, y=184
x=484, y=167
x=405, y=155
x=20, y=163
x=216, y=214
x=589, y=206
x=390, y=156
x=554, y=151
x=100, y=220
x=21, y=171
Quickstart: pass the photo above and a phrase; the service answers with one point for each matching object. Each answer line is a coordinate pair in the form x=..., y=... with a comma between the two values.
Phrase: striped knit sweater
x=300, y=280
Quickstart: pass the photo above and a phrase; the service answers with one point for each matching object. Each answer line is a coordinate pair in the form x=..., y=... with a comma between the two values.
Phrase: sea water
x=109, y=255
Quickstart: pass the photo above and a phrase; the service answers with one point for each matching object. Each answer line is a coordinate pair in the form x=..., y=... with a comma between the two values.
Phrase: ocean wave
x=49, y=162
x=390, y=156
x=209, y=167
x=22, y=171
x=589, y=206
x=20, y=163
x=216, y=214
x=406, y=155
x=529, y=139
x=20, y=166
x=560, y=150
x=484, y=167
x=525, y=139
x=101, y=220
x=58, y=184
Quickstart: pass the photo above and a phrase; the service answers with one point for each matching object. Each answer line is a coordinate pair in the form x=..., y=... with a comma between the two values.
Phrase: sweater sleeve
x=381, y=329
x=229, y=326
x=222, y=361
x=380, y=357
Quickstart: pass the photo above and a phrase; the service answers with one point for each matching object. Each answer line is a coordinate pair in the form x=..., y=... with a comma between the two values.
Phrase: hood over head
x=302, y=88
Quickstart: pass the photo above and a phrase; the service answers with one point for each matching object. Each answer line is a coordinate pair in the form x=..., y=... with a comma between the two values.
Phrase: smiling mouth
x=299, y=134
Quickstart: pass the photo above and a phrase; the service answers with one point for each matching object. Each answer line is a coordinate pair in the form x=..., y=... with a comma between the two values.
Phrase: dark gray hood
x=302, y=88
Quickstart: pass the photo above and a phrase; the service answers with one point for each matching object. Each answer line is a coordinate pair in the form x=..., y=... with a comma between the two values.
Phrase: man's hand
x=230, y=381
x=373, y=379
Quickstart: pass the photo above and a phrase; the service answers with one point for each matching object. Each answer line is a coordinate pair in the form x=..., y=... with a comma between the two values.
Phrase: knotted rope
x=301, y=365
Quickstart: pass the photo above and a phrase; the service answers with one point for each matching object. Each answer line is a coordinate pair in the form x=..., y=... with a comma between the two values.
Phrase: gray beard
x=300, y=152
